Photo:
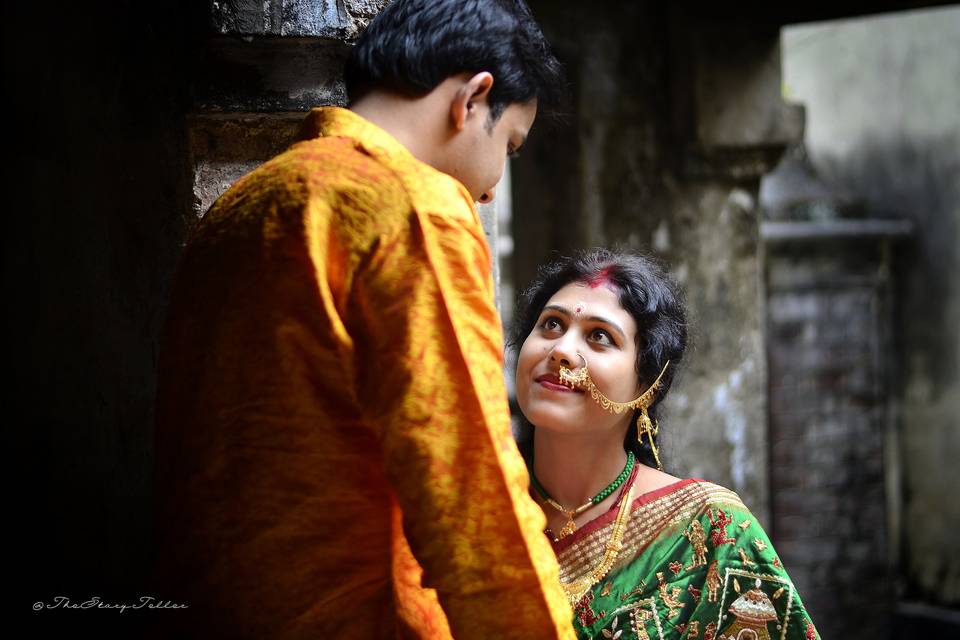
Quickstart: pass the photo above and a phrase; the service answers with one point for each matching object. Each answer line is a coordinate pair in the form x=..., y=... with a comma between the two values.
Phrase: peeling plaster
x=661, y=237
x=734, y=425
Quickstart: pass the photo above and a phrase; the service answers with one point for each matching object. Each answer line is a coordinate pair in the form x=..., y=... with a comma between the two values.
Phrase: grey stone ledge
x=800, y=231
x=333, y=19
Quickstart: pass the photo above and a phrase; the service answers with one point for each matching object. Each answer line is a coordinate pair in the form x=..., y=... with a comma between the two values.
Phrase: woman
x=642, y=554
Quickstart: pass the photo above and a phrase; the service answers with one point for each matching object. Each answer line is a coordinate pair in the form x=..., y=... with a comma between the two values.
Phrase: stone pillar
x=830, y=357
x=729, y=112
x=261, y=66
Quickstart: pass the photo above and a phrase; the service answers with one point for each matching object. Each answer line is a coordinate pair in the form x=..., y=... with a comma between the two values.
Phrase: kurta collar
x=340, y=122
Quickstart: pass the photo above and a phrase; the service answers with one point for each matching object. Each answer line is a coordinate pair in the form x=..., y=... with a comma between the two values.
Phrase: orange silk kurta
x=331, y=399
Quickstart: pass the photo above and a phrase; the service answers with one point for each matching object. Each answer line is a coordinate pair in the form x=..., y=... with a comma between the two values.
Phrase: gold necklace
x=570, y=514
x=576, y=589
x=570, y=525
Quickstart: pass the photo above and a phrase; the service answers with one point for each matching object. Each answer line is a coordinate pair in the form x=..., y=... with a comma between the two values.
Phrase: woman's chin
x=559, y=425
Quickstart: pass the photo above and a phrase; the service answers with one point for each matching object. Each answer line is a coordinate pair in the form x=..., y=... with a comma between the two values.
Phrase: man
x=333, y=446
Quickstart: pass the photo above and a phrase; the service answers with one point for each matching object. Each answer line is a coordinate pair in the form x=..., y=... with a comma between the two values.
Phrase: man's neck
x=412, y=121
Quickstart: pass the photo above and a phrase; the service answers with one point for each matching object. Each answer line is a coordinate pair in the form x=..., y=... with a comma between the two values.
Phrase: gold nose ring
x=574, y=379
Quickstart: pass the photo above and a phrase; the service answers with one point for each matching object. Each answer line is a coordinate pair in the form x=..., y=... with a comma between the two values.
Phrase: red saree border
x=611, y=514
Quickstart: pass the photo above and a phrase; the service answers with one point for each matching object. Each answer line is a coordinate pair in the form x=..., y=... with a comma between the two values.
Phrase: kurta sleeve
x=429, y=376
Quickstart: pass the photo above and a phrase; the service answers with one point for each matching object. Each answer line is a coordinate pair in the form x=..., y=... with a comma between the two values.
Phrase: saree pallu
x=694, y=563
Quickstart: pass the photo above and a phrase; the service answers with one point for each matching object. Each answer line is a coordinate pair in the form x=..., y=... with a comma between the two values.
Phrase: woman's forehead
x=576, y=291
x=590, y=301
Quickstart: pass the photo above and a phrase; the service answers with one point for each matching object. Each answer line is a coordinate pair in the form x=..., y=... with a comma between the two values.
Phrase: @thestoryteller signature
x=144, y=602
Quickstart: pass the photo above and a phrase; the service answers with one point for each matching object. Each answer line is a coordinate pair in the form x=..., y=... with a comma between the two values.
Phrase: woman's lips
x=552, y=382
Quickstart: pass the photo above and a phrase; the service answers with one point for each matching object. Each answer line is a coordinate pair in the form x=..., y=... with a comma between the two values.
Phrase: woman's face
x=588, y=320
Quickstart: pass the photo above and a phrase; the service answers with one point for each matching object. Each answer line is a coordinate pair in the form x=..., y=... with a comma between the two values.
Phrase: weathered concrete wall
x=265, y=74
x=225, y=147
x=883, y=123
x=674, y=122
x=331, y=19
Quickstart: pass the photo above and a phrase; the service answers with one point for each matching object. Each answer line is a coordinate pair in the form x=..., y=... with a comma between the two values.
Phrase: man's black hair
x=414, y=45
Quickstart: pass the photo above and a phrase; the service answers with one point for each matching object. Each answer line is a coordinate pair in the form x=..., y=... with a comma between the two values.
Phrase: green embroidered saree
x=694, y=563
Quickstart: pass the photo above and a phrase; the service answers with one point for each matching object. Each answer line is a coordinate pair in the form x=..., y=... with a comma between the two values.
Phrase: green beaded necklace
x=570, y=526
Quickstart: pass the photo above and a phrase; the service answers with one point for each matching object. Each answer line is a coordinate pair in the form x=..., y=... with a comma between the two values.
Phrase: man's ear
x=472, y=91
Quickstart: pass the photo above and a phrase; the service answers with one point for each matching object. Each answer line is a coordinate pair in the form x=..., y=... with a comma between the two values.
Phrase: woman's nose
x=487, y=196
x=565, y=355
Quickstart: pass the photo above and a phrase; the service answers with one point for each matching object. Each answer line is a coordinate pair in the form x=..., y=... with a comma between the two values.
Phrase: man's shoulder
x=339, y=162
x=426, y=189
x=347, y=180
x=344, y=164
x=325, y=177
x=347, y=145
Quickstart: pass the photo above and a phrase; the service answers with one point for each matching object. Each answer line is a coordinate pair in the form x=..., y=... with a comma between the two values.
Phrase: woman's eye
x=601, y=336
x=551, y=324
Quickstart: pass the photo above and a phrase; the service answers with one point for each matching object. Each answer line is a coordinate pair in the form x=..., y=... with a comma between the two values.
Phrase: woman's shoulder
x=720, y=518
x=706, y=496
x=700, y=504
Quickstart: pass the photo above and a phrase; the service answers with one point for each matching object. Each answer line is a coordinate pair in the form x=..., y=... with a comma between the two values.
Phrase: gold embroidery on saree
x=684, y=512
x=710, y=631
x=641, y=613
x=638, y=590
x=584, y=611
x=718, y=527
x=613, y=633
x=754, y=609
x=713, y=582
x=698, y=538
x=670, y=598
x=747, y=562
x=649, y=521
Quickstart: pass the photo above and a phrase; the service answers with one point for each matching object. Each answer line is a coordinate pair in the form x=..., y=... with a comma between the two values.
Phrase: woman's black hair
x=414, y=45
x=646, y=292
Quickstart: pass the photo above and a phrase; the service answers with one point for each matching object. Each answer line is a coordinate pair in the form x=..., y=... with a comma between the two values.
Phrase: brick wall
x=828, y=324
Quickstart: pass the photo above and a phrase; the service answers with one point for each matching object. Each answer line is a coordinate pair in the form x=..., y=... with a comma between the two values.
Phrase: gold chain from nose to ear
x=581, y=378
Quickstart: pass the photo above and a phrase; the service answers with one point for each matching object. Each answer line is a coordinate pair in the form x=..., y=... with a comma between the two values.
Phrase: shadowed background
x=795, y=167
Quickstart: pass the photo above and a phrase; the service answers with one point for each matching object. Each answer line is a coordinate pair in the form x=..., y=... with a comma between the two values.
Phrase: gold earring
x=646, y=425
